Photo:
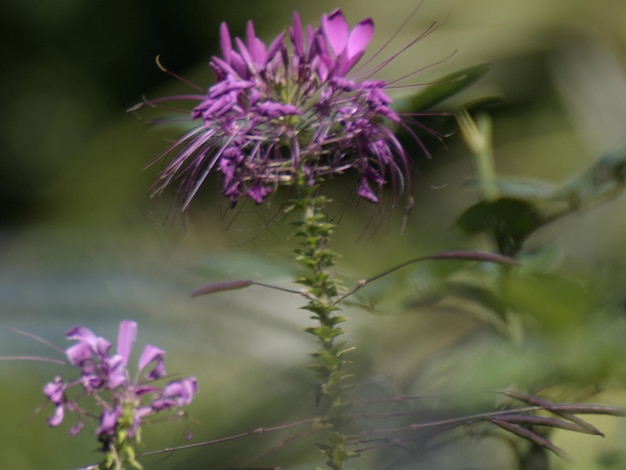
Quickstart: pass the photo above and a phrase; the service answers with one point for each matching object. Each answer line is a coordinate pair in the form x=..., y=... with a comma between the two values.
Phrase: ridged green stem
x=313, y=234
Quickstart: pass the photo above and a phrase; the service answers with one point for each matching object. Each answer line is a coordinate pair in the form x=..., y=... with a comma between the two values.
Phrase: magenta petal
x=140, y=390
x=125, y=339
x=142, y=412
x=57, y=419
x=178, y=393
x=99, y=346
x=250, y=34
x=54, y=390
x=336, y=30
x=258, y=193
x=74, y=430
x=80, y=352
x=102, y=346
x=139, y=414
x=246, y=55
x=225, y=42
x=275, y=46
x=117, y=371
x=80, y=333
x=359, y=38
x=310, y=34
x=295, y=32
x=259, y=52
x=108, y=421
x=366, y=192
x=255, y=45
x=182, y=391
x=151, y=354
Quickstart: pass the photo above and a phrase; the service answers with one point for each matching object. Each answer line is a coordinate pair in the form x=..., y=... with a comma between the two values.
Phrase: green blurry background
x=81, y=243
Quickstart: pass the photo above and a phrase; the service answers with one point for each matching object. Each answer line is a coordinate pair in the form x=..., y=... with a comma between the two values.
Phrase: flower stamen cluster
x=289, y=111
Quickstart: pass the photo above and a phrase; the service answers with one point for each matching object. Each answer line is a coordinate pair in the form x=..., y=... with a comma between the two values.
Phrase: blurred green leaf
x=443, y=89
x=521, y=188
x=540, y=260
x=557, y=303
x=470, y=297
x=600, y=182
x=545, y=202
x=511, y=220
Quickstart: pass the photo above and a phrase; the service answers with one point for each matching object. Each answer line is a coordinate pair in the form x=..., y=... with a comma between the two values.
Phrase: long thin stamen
x=177, y=77
x=39, y=339
x=395, y=34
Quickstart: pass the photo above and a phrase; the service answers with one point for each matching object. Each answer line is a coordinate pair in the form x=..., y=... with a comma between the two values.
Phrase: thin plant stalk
x=313, y=234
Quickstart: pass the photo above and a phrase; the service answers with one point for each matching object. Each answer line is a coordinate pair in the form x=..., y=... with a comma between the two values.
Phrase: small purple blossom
x=105, y=378
x=289, y=112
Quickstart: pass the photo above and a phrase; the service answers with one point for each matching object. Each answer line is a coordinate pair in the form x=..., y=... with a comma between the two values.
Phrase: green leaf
x=328, y=360
x=443, y=88
x=510, y=220
x=602, y=181
x=520, y=188
x=540, y=260
x=324, y=332
x=343, y=351
x=557, y=303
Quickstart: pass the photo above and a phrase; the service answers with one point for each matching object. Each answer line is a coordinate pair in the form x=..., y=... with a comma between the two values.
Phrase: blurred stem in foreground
x=478, y=138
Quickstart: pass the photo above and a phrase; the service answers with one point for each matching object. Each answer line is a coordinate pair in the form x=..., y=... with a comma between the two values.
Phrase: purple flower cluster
x=287, y=113
x=105, y=378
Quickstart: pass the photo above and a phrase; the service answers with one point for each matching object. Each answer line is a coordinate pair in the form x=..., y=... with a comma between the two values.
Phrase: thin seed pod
x=222, y=287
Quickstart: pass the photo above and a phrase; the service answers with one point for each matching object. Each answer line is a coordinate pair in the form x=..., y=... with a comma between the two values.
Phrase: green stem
x=478, y=137
x=120, y=449
x=313, y=235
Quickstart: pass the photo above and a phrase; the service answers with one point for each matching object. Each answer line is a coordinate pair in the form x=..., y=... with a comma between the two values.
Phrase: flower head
x=289, y=112
x=124, y=400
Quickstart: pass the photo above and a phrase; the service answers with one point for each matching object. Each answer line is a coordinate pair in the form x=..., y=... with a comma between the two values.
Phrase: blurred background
x=81, y=243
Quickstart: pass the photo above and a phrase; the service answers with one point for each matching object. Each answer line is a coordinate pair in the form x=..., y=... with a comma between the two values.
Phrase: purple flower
x=289, y=112
x=105, y=377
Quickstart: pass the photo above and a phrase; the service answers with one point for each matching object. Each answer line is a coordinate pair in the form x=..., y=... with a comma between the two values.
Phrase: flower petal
x=366, y=192
x=225, y=42
x=255, y=46
x=54, y=390
x=125, y=339
x=57, y=419
x=359, y=38
x=177, y=393
x=117, y=372
x=335, y=28
x=296, y=35
x=258, y=192
x=108, y=421
x=74, y=430
x=151, y=354
x=79, y=353
x=99, y=346
x=80, y=333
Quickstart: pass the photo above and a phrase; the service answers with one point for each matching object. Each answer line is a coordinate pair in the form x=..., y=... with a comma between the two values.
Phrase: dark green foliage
x=442, y=89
